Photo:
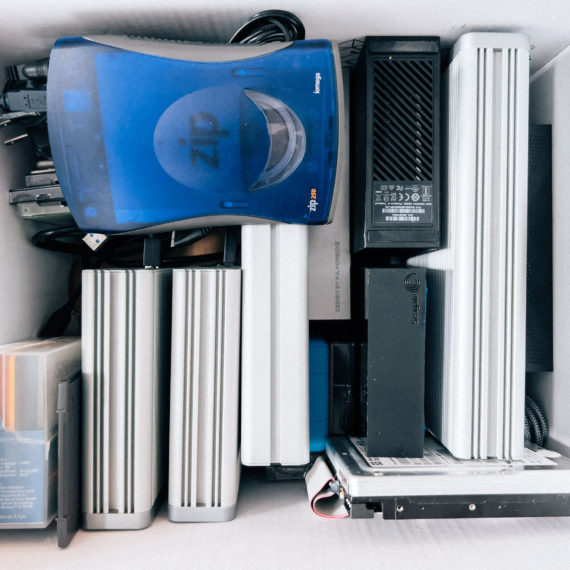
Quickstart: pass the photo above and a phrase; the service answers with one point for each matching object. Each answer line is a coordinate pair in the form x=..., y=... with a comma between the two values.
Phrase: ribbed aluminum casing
x=275, y=345
x=204, y=462
x=126, y=367
x=477, y=282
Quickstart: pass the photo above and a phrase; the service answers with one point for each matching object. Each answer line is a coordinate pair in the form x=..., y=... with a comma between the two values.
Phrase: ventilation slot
x=403, y=118
x=125, y=332
x=475, y=387
x=204, y=460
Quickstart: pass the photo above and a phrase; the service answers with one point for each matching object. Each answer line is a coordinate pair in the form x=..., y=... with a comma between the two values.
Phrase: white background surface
x=29, y=27
x=274, y=527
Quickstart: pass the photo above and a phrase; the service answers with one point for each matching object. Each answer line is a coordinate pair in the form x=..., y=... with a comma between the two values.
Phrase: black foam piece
x=539, y=326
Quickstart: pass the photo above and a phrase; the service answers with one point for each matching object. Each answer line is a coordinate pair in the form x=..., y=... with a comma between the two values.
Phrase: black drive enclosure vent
x=395, y=141
x=402, y=138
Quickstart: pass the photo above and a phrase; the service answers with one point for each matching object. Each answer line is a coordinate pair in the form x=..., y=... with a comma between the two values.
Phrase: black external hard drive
x=394, y=361
x=395, y=140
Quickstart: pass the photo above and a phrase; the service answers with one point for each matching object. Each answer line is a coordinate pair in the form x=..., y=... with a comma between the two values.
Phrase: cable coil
x=270, y=26
x=535, y=423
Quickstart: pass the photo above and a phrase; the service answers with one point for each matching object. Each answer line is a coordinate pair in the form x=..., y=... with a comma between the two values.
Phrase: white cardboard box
x=274, y=526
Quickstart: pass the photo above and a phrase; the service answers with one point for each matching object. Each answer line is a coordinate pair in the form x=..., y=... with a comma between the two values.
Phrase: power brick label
x=402, y=202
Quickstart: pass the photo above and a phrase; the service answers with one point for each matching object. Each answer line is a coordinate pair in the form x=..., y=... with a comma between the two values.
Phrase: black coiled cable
x=270, y=26
x=535, y=423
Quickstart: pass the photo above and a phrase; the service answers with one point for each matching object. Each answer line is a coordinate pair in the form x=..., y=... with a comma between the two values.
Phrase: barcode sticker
x=397, y=202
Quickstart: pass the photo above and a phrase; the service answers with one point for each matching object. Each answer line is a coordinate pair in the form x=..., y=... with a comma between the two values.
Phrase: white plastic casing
x=477, y=282
x=275, y=345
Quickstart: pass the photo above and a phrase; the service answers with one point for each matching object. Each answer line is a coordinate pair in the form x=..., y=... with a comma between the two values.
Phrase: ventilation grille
x=113, y=394
x=497, y=255
x=536, y=143
x=204, y=392
x=476, y=382
x=539, y=331
x=403, y=116
x=124, y=332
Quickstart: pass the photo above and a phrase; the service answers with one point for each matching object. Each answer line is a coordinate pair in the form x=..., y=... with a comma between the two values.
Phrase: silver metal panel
x=476, y=375
x=204, y=458
x=202, y=514
x=125, y=361
x=120, y=521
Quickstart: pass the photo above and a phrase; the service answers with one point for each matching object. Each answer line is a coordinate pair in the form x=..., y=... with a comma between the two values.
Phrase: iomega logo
x=412, y=282
x=318, y=78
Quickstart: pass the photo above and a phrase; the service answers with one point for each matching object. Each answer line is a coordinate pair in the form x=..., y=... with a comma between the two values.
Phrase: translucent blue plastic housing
x=146, y=140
